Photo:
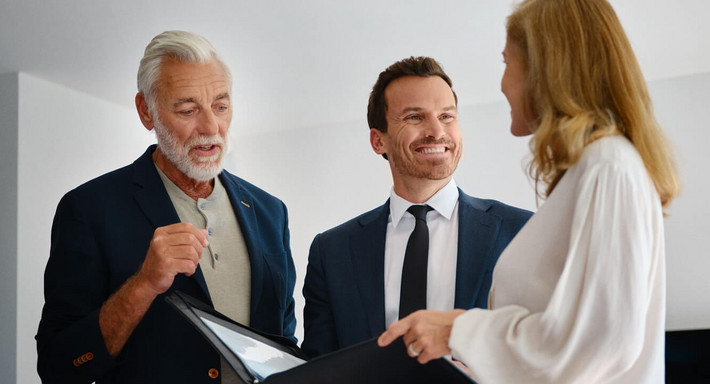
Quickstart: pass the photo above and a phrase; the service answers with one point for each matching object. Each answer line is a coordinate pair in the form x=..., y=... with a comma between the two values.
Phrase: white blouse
x=579, y=294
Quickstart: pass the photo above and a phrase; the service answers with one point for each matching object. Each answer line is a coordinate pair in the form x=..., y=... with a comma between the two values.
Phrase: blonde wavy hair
x=584, y=83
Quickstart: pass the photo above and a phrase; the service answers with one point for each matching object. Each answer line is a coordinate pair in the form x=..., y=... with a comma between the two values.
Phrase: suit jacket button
x=89, y=356
x=76, y=362
x=213, y=373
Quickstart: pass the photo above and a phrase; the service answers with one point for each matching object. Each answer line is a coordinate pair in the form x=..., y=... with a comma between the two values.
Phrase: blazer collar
x=150, y=193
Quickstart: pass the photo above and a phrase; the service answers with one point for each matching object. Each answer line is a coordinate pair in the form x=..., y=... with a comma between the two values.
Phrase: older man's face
x=193, y=113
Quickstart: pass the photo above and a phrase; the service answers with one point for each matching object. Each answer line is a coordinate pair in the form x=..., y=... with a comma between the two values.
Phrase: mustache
x=431, y=141
x=205, y=140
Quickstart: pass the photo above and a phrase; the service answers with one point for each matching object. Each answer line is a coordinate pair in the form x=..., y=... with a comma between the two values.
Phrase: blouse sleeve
x=593, y=326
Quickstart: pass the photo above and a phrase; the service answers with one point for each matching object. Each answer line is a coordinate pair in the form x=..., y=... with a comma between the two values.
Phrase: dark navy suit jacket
x=100, y=236
x=344, y=285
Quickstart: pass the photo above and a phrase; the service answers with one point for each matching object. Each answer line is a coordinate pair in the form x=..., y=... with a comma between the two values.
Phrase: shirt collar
x=218, y=189
x=443, y=202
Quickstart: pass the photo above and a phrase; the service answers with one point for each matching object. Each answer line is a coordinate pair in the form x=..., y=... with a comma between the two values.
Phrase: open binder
x=258, y=357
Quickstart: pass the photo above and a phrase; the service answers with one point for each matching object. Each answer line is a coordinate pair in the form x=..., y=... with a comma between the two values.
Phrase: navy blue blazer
x=100, y=236
x=344, y=285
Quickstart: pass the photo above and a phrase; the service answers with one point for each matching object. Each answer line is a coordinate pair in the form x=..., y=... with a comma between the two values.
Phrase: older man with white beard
x=172, y=220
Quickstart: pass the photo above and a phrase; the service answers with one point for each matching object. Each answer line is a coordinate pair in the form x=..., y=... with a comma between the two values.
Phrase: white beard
x=201, y=169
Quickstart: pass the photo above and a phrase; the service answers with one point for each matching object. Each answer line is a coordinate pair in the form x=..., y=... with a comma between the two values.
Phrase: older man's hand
x=174, y=249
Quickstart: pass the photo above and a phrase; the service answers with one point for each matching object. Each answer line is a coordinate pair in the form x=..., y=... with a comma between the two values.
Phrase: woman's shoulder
x=612, y=161
x=615, y=150
x=612, y=147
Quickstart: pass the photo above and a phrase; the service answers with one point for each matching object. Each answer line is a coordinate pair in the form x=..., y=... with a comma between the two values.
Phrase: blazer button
x=213, y=373
x=89, y=356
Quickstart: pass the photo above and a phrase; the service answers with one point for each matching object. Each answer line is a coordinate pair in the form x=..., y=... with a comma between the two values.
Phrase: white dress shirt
x=443, y=223
x=578, y=296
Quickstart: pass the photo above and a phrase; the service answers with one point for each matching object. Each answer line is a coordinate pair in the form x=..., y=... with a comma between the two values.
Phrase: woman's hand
x=425, y=333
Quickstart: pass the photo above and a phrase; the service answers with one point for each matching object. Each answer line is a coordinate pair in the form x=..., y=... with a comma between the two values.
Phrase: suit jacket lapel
x=477, y=233
x=151, y=195
x=367, y=251
x=153, y=199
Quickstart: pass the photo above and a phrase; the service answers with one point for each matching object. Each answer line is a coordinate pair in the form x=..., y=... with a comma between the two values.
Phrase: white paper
x=261, y=359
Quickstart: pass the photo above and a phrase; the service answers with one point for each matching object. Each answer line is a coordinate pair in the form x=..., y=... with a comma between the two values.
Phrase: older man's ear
x=144, y=112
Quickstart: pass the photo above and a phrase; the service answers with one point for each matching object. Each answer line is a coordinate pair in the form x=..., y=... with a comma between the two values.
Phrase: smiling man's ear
x=377, y=141
x=144, y=112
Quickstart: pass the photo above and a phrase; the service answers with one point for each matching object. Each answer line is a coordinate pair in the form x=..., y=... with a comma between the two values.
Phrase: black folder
x=279, y=360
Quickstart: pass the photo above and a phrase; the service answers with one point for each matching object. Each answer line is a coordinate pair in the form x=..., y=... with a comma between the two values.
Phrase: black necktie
x=412, y=294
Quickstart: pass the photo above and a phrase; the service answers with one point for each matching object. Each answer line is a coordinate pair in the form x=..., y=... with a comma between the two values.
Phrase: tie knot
x=419, y=211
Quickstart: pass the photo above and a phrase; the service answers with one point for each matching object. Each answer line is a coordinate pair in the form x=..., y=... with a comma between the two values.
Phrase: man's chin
x=439, y=174
x=203, y=177
x=201, y=173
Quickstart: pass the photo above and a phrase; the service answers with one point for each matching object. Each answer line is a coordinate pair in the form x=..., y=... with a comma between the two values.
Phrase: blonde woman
x=579, y=294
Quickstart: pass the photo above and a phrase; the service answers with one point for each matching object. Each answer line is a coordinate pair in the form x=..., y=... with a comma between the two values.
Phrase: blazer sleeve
x=70, y=345
x=289, y=320
x=319, y=323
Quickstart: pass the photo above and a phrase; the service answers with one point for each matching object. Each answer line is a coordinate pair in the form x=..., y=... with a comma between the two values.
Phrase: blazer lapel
x=477, y=233
x=151, y=195
x=153, y=199
x=368, y=259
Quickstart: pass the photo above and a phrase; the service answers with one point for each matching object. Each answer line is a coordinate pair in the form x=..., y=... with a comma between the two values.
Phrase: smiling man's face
x=423, y=138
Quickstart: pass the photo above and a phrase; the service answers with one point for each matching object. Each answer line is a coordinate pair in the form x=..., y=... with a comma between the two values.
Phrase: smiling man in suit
x=384, y=264
x=172, y=220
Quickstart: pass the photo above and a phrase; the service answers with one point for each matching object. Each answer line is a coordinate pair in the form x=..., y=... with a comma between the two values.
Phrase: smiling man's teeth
x=205, y=147
x=434, y=150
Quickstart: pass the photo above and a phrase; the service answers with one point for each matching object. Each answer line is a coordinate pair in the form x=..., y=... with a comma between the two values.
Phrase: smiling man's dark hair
x=412, y=66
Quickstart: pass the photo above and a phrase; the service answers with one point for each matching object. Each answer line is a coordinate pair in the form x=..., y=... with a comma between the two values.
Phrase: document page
x=261, y=359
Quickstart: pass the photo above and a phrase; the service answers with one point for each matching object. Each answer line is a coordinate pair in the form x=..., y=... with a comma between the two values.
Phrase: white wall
x=683, y=109
x=65, y=139
x=8, y=223
x=325, y=174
